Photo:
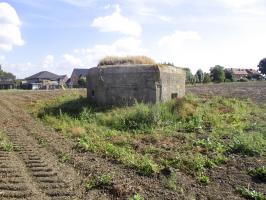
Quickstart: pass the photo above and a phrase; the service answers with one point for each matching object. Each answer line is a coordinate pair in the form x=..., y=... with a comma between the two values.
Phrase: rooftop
x=44, y=75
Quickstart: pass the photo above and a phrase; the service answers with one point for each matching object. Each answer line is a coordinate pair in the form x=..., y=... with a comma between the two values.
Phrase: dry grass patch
x=77, y=132
x=114, y=60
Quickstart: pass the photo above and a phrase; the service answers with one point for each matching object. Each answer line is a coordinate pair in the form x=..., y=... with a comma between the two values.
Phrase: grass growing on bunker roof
x=126, y=60
x=192, y=134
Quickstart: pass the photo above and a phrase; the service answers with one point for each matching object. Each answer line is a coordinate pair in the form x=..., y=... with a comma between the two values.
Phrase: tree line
x=219, y=74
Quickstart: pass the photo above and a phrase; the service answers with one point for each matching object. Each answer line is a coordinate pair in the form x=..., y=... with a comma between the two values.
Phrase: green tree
x=262, y=66
x=199, y=76
x=7, y=74
x=217, y=74
x=207, y=78
x=228, y=75
x=189, y=76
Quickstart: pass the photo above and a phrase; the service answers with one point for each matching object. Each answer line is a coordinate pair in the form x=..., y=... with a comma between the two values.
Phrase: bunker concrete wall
x=116, y=85
x=173, y=83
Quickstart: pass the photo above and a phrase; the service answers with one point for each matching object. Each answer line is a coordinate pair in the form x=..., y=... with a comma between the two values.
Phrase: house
x=238, y=73
x=7, y=82
x=44, y=80
x=126, y=84
x=77, y=74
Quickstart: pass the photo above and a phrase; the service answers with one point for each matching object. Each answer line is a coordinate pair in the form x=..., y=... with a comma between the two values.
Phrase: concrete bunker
x=125, y=84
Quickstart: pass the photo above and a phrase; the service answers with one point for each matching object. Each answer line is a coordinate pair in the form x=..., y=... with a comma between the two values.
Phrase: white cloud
x=178, y=38
x=117, y=23
x=121, y=47
x=10, y=34
x=180, y=48
x=48, y=62
x=72, y=60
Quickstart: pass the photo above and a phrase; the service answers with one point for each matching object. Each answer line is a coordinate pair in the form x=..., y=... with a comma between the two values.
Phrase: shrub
x=113, y=60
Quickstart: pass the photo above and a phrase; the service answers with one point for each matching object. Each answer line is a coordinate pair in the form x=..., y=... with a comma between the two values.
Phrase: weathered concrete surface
x=125, y=84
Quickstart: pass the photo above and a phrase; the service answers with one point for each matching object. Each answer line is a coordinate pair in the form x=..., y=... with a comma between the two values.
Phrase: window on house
x=93, y=93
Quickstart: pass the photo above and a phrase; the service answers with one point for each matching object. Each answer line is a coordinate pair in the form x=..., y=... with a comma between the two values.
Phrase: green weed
x=6, y=145
x=136, y=196
x=42, y=142
x=63, y=158
x=258, y=173
x=170, y=181
x=202, y=179
x=99, y=182
x=250, y=194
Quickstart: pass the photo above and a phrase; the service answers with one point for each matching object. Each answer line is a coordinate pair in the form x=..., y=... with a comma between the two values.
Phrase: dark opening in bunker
x=174, y=95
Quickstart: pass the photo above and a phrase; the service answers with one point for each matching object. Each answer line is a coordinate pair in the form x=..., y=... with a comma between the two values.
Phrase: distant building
x=126, y=84
x=7, y=82
x=44, y=80
x=239, y=73
x=77, y=74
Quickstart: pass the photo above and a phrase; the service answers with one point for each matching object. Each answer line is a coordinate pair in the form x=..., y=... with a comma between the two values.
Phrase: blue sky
x=58, y=35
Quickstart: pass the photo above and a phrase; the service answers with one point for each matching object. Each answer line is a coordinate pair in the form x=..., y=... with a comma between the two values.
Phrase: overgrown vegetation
x=250, y=194
x=192, y=135
x=115, y=60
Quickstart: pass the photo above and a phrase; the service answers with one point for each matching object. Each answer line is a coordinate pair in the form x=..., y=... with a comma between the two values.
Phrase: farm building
x=125, y=84
x=44, y=80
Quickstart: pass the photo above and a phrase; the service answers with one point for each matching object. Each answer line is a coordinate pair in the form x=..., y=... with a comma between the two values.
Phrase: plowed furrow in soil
x=46, y=178
x=39, y=169
x=13, y=184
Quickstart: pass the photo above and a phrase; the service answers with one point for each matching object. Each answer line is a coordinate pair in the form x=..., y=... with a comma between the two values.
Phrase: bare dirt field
x=34, y=170
x=256, y=91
